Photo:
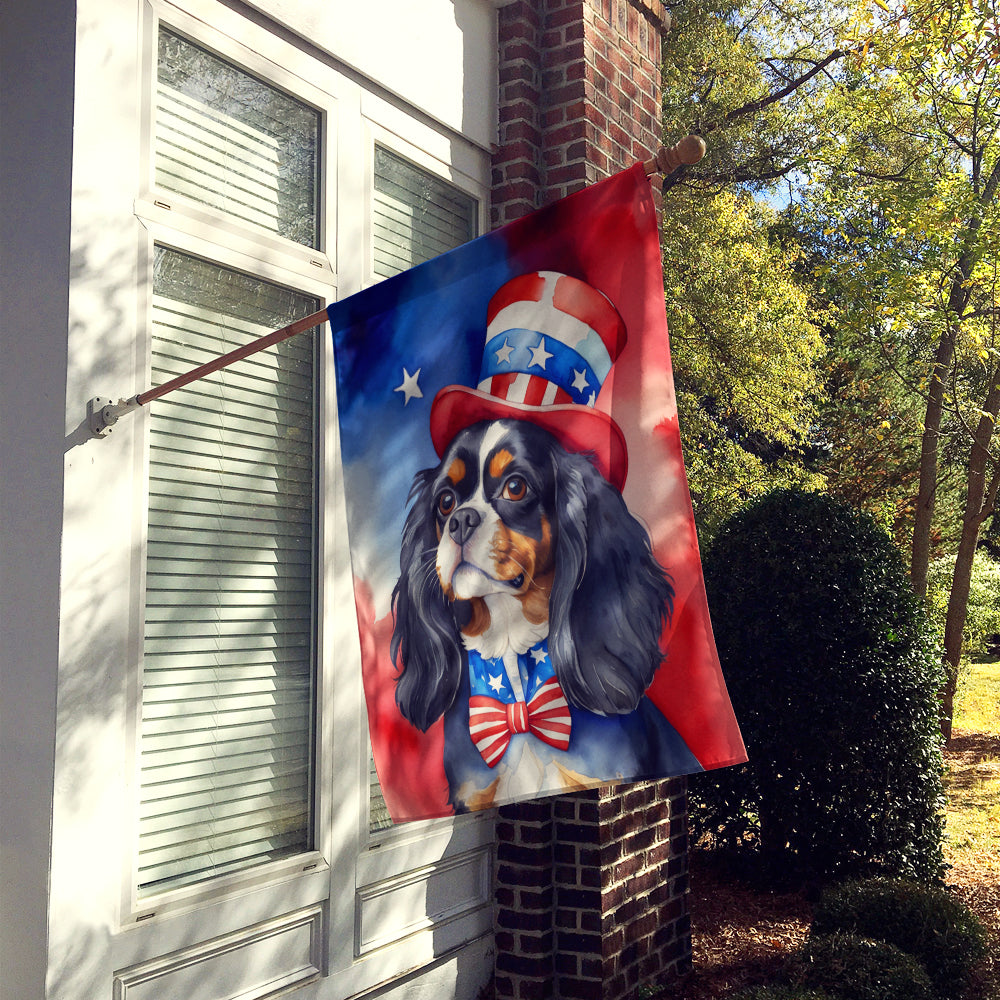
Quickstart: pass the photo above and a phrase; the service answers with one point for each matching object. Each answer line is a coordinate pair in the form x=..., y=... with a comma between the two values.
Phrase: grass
x=973, y=782
x=978, y=698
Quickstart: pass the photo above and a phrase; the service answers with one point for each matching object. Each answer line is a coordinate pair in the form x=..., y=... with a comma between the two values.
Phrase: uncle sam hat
x=551, y=341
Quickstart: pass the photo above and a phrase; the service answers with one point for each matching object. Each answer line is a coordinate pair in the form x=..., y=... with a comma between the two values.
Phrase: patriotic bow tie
x=492, y=722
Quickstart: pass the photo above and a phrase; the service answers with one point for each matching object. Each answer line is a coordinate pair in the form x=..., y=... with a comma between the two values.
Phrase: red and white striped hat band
x=551, y=341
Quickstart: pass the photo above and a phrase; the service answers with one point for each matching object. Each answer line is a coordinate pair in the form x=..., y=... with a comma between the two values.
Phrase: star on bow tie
x=492, y=723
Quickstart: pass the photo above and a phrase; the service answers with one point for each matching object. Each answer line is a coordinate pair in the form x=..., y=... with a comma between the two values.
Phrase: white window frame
x=351, y=877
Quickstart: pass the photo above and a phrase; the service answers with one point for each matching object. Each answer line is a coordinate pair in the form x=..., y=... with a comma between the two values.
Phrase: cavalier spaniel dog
x=528, y=612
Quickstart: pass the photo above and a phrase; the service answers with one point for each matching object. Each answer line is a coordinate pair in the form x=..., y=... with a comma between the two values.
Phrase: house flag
x=528, y=587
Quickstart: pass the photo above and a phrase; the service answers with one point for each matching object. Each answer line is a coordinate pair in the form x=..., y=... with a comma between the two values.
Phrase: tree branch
x=754, y=106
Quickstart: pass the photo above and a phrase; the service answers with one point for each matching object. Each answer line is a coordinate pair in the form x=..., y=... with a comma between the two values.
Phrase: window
x=416, y=215
x=229, y=646
x=225, y=139
x=273, y=184
x=228, y=678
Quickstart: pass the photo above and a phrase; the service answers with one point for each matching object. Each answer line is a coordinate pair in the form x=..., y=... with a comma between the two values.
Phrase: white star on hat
x=539, y=355
x=503, y=355
x=580, y=381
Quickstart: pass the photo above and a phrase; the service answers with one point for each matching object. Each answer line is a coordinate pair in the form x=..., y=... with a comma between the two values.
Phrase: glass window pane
x=228, y=679
x=416, y=215
x=231, y=141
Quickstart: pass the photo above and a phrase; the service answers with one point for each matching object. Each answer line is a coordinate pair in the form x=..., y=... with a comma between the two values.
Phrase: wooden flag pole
x=103, y=413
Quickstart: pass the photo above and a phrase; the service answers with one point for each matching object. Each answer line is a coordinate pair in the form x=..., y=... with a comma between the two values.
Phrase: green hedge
x=833, y=673
x=925, y=922
x=857, y=968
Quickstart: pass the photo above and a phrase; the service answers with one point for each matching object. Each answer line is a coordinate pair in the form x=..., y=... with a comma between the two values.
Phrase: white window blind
x=416, y=216
x=228, y=660
x=228, y=140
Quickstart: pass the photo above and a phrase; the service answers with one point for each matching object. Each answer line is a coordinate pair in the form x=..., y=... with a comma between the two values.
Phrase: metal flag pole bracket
x=103, y=414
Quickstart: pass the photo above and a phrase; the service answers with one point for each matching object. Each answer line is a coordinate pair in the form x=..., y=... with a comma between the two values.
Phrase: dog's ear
x=425, y=641
x=610, y=598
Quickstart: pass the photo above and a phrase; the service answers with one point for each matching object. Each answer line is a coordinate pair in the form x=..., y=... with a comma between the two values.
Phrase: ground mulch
x=742, y=934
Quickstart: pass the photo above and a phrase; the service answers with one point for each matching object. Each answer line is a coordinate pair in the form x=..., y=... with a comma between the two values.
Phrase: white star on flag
x=580, y=381
x=503, y=355
x=409, y=388
x=539, y=355
x=496, y=683
x=539, y=656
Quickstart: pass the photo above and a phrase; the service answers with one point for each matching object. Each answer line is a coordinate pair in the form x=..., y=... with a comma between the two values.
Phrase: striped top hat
x=550, y=343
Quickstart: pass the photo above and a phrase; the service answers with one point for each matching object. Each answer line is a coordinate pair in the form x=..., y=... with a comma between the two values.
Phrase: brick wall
x=579, y=96
x=591, y=889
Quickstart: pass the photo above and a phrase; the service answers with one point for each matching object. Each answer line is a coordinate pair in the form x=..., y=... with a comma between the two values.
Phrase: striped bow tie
x=492, y=722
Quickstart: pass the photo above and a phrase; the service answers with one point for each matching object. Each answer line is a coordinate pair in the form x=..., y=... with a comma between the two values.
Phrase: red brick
x=518, y=49
x=562, y=53
x=574, y=988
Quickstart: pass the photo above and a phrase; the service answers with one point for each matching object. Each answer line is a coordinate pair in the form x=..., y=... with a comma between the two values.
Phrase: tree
x=912, y=189
x=747, y=357
x=747, y=352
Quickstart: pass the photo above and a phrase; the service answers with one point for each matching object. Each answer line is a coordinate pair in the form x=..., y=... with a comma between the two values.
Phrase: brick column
x=591, y=889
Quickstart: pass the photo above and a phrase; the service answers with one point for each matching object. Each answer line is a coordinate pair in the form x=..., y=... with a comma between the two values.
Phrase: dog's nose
x=463, y=523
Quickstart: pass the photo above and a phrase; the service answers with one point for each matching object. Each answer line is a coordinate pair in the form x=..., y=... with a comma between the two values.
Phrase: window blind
x=228, y=140
x=416, y=216
x=228, y=653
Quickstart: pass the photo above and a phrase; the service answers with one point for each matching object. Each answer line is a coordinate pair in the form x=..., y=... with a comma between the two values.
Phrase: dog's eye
x=445, y=502
x=516, y=488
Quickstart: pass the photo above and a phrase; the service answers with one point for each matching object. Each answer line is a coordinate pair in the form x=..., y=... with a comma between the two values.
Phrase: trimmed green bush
x=782, y=993
x=925, y=922
x=833, y=672
x=856, y=968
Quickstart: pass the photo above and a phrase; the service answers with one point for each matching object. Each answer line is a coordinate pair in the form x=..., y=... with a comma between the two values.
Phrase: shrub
x=926, y=922
x=833, y=673
x=856, y=968
x=782, y=993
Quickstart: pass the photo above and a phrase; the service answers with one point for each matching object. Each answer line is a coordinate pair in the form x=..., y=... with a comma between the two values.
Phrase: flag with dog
x=527, y=580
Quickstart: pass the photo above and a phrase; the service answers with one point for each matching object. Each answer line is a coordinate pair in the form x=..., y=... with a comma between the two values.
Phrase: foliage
x=833, y=675
x=877, y=127
x=748, y=357
x=746, y=354
x=857, y=968
x=781, y=992
x=748, y=76
x=983, y=615
x=926, y=922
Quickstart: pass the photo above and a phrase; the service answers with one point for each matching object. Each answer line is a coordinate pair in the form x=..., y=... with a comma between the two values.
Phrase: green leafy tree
x=747, y=356
x=911, y=189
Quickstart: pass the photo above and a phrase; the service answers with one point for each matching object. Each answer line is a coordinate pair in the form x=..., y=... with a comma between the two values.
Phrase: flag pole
x=103, y=413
